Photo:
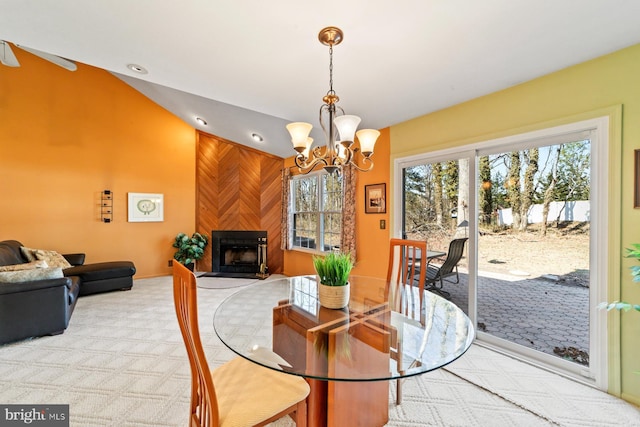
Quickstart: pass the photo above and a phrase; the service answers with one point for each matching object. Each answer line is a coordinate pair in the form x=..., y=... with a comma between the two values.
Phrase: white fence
x=569, y=211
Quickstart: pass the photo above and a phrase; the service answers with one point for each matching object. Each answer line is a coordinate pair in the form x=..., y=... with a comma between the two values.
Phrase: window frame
x=320, y=212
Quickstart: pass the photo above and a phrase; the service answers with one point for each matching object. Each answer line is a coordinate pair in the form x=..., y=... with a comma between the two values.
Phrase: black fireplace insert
x=238, y=253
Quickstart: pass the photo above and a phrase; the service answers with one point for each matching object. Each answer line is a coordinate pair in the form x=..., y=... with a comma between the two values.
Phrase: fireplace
x=237, y=253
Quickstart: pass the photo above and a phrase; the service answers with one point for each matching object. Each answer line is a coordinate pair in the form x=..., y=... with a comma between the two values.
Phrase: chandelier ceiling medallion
x=339, y=129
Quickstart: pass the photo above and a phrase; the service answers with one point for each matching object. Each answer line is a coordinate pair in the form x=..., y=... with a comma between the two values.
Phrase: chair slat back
x=456, y=249
x=407, y=259
x=204, y=405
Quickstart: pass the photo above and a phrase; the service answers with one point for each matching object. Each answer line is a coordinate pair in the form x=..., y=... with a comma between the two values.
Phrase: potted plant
x=190, y=249
x=333, y=270
x=635, y=275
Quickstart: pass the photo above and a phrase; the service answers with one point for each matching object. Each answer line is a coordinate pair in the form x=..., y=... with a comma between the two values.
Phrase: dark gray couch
x=44, y=307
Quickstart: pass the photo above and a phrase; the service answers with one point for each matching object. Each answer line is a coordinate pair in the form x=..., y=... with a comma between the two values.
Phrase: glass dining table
x=348, y=356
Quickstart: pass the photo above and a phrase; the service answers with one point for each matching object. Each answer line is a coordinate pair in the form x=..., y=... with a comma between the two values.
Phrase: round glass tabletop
x=384, y=333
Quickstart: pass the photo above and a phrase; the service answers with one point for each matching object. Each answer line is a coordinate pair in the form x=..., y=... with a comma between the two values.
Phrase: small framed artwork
x=375, y=198
x=636, y=180
x=146, y=207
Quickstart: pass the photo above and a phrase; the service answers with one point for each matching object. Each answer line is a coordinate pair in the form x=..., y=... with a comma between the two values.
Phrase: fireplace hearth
x=238, y=253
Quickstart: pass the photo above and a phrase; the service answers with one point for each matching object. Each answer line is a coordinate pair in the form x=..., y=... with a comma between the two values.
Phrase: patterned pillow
x=28, y=253
x=29, y=275
x=53, y=258
x=25, y=266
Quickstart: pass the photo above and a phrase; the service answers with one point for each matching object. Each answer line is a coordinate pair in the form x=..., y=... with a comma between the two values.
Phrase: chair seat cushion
x=248, y=393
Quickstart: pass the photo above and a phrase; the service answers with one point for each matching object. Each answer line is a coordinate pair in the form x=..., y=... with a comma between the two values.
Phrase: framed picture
x=375, y=198
x=636, y=181
x=146, y=207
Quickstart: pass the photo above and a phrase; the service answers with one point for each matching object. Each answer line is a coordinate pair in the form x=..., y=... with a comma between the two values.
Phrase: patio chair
x=405, y=259
x=238, y=393
x=437, y=273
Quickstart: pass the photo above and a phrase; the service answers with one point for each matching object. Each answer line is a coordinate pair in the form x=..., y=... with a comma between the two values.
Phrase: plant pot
x=334, y=297
x=191, y=266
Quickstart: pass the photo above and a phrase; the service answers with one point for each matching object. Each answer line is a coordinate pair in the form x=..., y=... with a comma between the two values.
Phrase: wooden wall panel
x=238, y=188
x=270, y=210
x=206, y=192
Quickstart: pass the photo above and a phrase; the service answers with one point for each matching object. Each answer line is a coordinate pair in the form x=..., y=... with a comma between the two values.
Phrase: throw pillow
x=53, y=258
x=25, y=266
x=28, y=253
x=30, y=275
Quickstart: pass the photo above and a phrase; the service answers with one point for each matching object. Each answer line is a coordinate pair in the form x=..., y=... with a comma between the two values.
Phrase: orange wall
x=372, y=243
x=65, y=137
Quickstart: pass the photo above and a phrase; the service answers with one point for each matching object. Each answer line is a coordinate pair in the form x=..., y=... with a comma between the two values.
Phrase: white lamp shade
x=347, y=126
x=367, y=138
x=308, y=143
x=299, y=132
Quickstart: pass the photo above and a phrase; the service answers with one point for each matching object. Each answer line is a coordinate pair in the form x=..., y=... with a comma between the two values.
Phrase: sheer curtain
x=348, y=237
x=284, y=220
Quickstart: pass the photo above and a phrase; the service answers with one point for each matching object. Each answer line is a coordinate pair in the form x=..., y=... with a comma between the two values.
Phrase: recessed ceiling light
x=256, y=137
x=202, y=121
x=137, y=68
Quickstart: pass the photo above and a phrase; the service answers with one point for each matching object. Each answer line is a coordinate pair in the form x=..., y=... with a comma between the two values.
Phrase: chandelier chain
x=331, y=70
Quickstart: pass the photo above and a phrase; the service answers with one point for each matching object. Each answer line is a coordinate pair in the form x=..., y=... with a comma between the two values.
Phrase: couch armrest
x=74, y=259
x=12, y=288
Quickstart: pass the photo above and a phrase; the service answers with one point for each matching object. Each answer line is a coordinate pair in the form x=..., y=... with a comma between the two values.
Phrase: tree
x=574, y=163
x=550, y=190
x=417, y=193
x=437, y=193
x=450, y=180
x=528, y=193
x=513, y=188
x=486, y=192
x=463, y=194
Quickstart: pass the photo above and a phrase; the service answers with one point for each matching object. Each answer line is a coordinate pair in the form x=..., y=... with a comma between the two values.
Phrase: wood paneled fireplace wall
x=238, y=188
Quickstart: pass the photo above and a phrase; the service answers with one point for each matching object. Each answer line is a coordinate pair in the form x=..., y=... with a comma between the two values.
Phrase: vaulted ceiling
x=252, y=65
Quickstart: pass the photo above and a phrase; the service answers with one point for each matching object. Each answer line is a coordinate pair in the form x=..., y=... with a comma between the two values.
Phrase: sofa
x=39, y=288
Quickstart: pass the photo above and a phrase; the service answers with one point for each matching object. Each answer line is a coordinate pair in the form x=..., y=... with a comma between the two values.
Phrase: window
x=316, y=211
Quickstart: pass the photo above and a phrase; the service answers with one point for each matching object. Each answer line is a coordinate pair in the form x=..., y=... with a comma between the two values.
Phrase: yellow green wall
x=579, y=92
x=65, y=137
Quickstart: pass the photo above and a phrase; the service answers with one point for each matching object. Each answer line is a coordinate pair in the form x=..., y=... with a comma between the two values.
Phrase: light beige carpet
x=121, y=362
x=228, y=282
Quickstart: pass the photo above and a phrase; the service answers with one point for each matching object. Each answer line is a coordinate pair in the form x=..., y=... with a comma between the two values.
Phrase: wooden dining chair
x=238, y=393
x=406, y=257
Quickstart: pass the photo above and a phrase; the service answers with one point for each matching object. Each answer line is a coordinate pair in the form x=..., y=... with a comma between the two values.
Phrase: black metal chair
x=436, y=274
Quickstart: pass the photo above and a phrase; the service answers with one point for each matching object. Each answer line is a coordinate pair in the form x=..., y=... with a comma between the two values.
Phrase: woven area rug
x=122, y=362
x=229, y=282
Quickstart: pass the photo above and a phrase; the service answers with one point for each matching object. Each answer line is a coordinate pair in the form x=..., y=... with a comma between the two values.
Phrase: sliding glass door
x=529, y=207
x=534, y=238
x=436, y=209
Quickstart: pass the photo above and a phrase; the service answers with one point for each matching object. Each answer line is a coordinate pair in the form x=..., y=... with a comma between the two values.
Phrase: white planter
x=334, y=296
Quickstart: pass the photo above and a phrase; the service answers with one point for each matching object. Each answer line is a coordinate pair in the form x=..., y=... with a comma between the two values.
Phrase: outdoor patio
x=538, y=313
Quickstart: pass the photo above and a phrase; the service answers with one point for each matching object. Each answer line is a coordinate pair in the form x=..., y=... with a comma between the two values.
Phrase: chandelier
x=339, y=128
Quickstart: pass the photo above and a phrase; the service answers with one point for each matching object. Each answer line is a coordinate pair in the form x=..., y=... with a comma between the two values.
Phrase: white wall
x=569, y=211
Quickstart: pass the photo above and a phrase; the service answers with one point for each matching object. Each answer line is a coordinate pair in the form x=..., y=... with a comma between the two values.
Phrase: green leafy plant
x=635, y=275
x=190, y=249
x=333, y=268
